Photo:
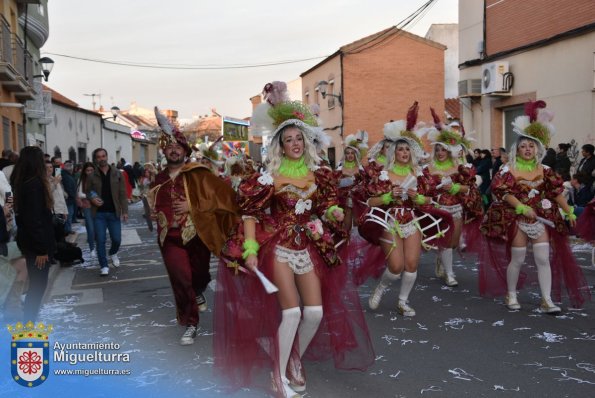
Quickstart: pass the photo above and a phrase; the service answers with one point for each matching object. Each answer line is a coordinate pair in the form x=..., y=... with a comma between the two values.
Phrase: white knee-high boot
x=517, y=258
x=309, y=326
x=290, y=320
x=408, y=280
x=449, y=275
x=386, y=279
x=541, y=255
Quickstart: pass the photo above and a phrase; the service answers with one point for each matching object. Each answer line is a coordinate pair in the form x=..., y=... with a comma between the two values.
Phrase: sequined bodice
x=293, y=205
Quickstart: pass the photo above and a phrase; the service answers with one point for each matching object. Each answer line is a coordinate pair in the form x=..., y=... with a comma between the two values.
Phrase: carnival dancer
x=195, y=211
x=456, y=192
x=293, y=247
x=399, y=211
x=527, y=209
x=349, y=172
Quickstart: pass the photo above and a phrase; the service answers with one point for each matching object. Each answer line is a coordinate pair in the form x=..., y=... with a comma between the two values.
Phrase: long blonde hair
x=275, y=151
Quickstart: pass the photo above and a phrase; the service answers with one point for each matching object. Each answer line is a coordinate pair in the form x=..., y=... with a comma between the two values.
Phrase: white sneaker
x=450, y=281
x=188, y=336
x=548, y=306
x=115, y=260
x=104, y=271
x=404, y=309
x=93, y=253
x=374, y=300
x=511, y=302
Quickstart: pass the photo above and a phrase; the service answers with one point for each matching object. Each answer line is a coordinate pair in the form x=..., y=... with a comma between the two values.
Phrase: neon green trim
x=570, y=216
x=386, y=198
x=522, y=209
x=348, y=165
x=381, y=159
x=330, y=210
x=447, y=164
x=454, y=189
x=401, y=170
x=293, y=168
x=526, y=165
x=250, y=247
x=420, y=199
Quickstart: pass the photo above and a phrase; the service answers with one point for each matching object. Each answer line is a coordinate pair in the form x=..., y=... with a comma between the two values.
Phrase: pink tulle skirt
x=246, y=320
x=566, y=274
x=585, y=225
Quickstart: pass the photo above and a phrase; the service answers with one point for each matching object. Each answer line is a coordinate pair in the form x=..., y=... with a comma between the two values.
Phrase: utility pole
x=93, y=98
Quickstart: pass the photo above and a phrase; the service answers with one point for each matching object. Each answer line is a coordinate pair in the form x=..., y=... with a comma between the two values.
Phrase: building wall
x=448, y=35
x=9, y=111
x=144, y=151
x=330, y=117
x=561, y=73
x=514, y=23
x=72, y=128
x=381, y=83
x=470, y=30
x=117, y=142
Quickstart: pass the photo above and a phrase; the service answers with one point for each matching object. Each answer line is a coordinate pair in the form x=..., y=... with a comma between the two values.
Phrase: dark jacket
x=118, y=187
x=550, y=158
x=35, y=229
x=586, y=166
x=483, y=170
x=69, y=185
x=563, y=166
x=582, y=196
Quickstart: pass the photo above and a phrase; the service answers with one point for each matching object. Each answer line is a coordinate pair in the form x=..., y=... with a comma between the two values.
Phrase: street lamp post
x=115, y=112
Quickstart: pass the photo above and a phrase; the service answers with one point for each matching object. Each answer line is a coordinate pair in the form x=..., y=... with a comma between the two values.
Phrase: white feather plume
x=362, y=136
x=520, y=123
x=392, y=130
x=261, y=122
x=545, y=117
x=163, y=122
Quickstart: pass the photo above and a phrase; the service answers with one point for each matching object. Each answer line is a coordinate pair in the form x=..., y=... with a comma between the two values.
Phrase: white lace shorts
x=456, y=211
x=533, y=230
x=406, y=231
x=298, y=260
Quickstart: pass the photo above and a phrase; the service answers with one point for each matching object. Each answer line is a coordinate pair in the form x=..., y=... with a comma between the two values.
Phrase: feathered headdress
x=278, y=112
x=443, y=135
x=209, y=152
x=358, y=142
x=536, y=123
x=402, y=130
x=170, y=133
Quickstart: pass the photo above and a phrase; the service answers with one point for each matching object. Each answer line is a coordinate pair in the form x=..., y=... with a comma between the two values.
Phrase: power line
x=185, y=67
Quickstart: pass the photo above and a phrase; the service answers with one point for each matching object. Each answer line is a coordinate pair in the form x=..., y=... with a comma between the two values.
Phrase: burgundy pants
x=188, y=270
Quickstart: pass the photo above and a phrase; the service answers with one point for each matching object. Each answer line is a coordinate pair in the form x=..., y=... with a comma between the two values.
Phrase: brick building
x=374, y=80
x=527, y=49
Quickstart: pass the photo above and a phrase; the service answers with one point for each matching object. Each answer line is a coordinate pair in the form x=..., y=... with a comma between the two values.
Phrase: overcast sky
x=207, y=33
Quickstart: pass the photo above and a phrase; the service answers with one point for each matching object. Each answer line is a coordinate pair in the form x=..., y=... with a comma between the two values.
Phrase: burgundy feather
x=412, y=116
x=531, y=108
x=437, y=122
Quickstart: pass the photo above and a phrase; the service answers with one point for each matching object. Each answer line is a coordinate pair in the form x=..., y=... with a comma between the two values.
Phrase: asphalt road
x=459, y=344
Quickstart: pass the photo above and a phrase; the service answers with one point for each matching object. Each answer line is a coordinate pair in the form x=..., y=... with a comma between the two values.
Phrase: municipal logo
x=30, y=353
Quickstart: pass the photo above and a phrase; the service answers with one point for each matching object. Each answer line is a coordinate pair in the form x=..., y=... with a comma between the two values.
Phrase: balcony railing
x=6, y=38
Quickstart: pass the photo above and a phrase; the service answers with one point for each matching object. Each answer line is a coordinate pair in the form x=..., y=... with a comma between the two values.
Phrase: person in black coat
x=563, y=162
x=587, y=163
x=550, y=158
x=35, y=232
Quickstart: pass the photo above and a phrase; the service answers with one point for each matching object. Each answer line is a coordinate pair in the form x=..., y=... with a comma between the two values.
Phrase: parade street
x=459, y=344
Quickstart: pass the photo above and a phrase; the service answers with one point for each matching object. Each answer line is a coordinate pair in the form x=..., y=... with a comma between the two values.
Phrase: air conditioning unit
x=470, y=88
x=496, y=78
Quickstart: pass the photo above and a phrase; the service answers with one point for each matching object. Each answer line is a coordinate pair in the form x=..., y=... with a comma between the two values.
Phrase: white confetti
x=498, y=323
x=549, y=337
